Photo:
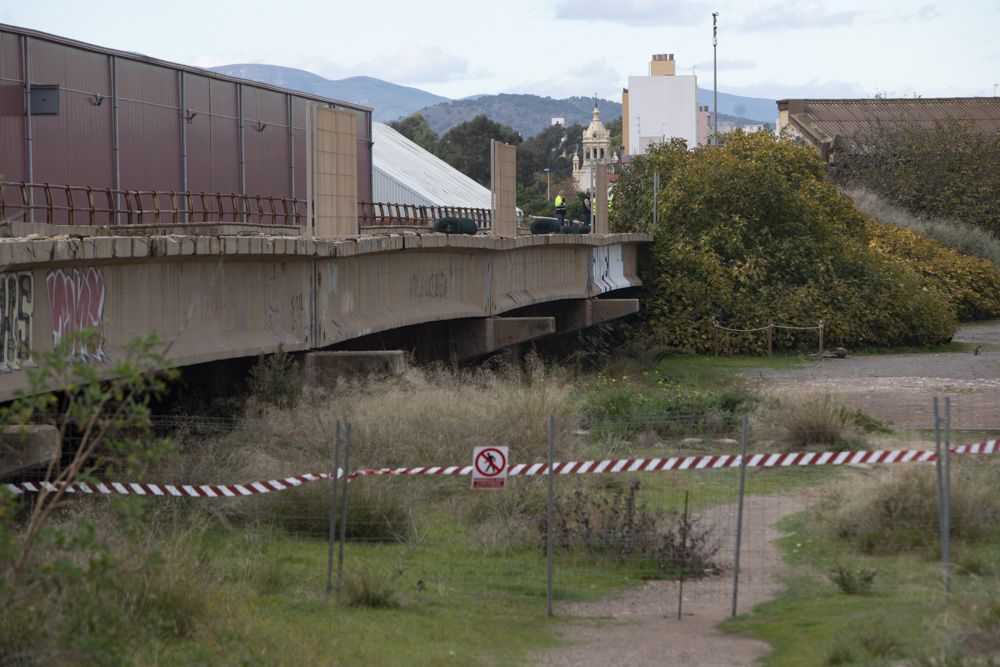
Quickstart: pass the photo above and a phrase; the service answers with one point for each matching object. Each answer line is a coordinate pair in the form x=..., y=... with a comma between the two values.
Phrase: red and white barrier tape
x=176, y=490
x=711, y=462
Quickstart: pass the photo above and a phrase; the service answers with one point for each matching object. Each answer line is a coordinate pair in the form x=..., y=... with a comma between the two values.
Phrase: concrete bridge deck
x=236, y=295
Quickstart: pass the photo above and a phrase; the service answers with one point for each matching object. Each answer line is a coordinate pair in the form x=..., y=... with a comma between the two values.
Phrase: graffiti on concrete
x=16, y=308
x=76, y=299
x=429, y=286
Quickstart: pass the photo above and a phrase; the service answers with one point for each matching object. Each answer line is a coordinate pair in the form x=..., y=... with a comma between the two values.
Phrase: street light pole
x=548, y=192
x=715, y=78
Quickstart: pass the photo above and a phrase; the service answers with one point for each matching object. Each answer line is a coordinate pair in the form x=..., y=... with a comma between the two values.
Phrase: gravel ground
x=641, y=627
x=899, y=388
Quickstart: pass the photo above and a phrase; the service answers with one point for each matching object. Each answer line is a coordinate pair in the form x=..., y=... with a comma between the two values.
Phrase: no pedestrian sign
x=489, y=467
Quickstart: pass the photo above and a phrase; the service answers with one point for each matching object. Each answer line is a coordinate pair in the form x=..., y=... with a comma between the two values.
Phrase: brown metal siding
x=74, y=147
x=225, y=136
x=266, y=142
x=12, y=160
x=77, y=146
x=149, y=127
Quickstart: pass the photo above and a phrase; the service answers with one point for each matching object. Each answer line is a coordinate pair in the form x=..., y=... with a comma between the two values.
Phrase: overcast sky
x=455, y=48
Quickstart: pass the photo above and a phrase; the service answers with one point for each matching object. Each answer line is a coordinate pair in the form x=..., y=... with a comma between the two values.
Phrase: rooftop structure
x=405, y=173
x=822, y=122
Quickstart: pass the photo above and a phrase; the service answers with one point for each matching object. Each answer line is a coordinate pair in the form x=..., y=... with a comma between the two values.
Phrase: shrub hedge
x=751, y=232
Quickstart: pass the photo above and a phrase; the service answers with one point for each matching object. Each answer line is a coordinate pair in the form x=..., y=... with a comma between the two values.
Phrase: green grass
x=905, y=617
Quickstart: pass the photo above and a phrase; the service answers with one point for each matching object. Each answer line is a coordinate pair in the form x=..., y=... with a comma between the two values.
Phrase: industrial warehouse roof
x=405, y=173
x=823, y=121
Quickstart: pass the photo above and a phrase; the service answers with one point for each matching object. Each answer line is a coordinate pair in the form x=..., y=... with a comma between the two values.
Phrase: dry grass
x=813, y=421
x=895, y=509
x=964, y=238
x=425, y=417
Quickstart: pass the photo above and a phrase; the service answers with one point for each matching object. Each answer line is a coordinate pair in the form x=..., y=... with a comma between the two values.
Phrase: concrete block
x=203, y=245
x=473, y=338
x=104, y=247
x=29, y=446
x=323, y=368
x=123, y=247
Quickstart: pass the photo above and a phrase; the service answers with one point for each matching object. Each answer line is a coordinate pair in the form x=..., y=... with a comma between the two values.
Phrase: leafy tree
x=950, y=170
x=106, y=422
x=416, y=128
x=751, y=232
x=467, y=146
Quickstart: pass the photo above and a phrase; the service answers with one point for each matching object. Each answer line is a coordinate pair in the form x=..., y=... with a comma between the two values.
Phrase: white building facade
x=660, y=107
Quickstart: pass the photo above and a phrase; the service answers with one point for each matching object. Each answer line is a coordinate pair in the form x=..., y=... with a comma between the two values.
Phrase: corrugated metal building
x=77, y=114
x=405, y=173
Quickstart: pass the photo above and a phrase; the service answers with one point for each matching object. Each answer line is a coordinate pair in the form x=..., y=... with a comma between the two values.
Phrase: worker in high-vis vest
x=561, y=207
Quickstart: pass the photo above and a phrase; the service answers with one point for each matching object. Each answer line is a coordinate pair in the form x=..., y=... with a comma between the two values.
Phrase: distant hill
x=757, y=109
x=530, y=114
x=389, y=101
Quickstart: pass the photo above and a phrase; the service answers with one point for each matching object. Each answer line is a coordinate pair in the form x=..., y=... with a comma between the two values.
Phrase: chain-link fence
x=653, y=514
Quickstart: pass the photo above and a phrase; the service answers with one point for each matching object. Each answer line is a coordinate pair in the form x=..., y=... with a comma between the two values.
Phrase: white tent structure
x=405, y=173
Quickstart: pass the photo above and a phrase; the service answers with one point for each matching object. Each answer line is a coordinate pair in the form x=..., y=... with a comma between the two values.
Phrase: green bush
x=750, y=233
x=947, y=171
x=618, y=407
x=963, y=237
x=276, y=379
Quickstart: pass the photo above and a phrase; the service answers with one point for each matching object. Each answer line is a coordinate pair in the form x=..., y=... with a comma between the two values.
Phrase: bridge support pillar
x=24, y=447
x=477, y=337
x=323, y=368
x=586, y=313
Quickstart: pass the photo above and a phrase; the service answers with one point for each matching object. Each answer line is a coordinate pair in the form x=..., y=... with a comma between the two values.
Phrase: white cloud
x=416, y=64
x=308, y=62
x=412, y=65
x=634, y=12
x=582, y=81
x=796, y=15
x=815, y=89
x=725, y=64
x=923, y=13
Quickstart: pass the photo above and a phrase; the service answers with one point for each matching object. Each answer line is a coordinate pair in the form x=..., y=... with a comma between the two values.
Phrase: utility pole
x=715, y=78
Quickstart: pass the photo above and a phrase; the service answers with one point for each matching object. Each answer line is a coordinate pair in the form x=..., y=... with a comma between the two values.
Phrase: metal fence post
x=684, y=536
x=343, y=504
x=548, y=518
x=946, y=529
x=744, y=437
x=939, y=470
x=333, y=511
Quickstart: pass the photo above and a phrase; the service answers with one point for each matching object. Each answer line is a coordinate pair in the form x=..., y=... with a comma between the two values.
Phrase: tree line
x=466, y=147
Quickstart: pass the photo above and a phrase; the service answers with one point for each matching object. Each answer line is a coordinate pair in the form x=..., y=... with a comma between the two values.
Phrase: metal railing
x=381, y=214
x=84, y=205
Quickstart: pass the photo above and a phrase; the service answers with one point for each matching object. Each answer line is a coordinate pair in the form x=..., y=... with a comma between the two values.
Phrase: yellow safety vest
x=559, y=201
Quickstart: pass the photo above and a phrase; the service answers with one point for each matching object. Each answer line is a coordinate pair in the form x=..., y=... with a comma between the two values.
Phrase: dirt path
x=899, y=388
x=641, y=627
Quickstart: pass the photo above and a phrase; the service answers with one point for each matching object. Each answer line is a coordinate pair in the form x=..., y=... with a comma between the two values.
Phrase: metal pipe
x=291, y=153
x=184, y=143
x=243, y=154
x=715, y=78
x=744, y=437
x=116, y=145
x=29, y=162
